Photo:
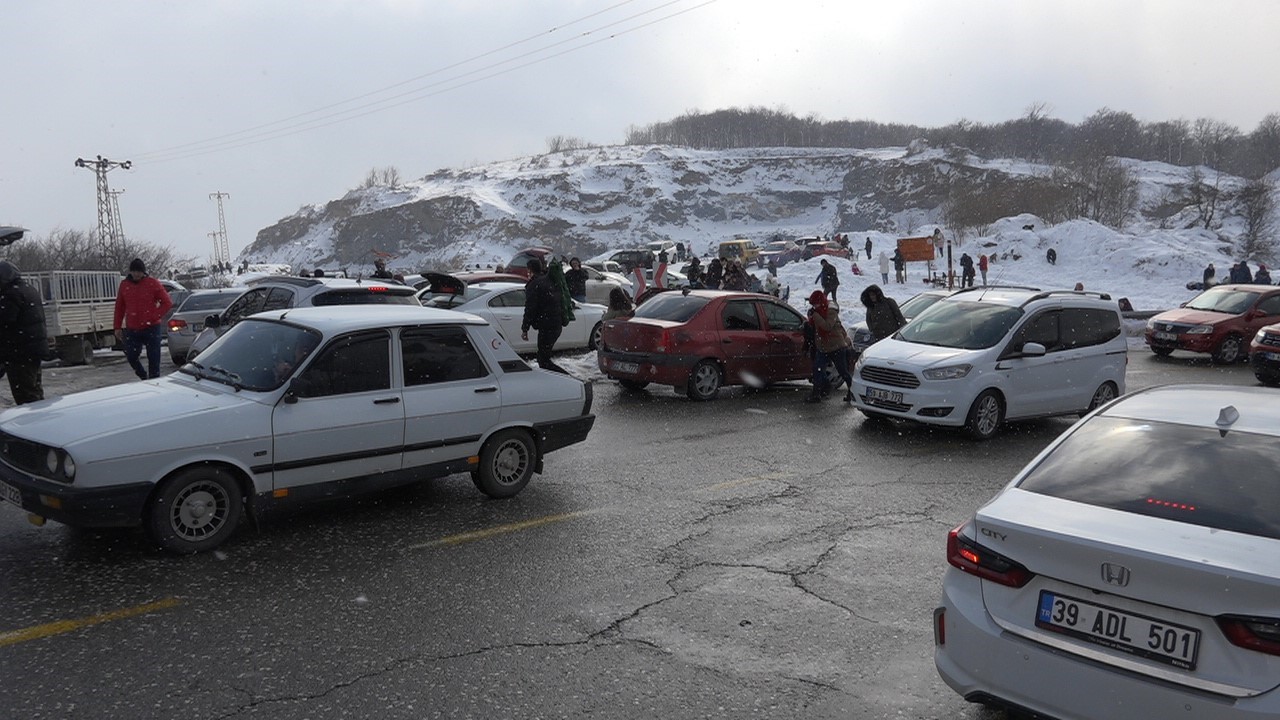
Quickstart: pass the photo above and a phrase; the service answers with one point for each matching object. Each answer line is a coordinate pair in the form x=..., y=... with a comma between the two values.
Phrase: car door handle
x=487, y=389
x=386, y=401
x=726, y=341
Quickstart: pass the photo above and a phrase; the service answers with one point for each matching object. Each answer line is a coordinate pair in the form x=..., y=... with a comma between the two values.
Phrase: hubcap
x=988, y=415
x=199, y=510
x=707, y=380
x=509, y=463
x=1103, y=395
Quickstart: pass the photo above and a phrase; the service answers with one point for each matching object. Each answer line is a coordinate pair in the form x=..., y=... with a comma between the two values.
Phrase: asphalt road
x=748, y=557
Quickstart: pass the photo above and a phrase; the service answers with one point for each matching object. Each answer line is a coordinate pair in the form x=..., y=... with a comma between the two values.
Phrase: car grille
x=887, y=404
x=1172, y=327
x=23, y=454
x=1271, y=339
x=889, y=376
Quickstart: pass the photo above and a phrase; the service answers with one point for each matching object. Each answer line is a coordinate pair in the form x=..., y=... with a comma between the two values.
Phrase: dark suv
x=1219, y=321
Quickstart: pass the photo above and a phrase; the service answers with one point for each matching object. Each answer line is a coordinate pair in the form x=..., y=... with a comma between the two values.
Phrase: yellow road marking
x=37, y=632
x=499, y=530
x=746, y=481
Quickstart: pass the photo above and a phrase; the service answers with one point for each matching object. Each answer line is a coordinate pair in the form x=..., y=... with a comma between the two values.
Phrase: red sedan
x=816, y=249
x=700, y=340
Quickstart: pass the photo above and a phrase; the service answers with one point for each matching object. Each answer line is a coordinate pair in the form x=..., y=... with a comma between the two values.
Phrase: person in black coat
x=542, y=313
x=23, y=342
x=1210, y=276
x=966, y=270
x=576, y=278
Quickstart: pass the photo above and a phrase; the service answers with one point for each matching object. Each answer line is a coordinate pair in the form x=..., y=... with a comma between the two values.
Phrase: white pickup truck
x=79, y=307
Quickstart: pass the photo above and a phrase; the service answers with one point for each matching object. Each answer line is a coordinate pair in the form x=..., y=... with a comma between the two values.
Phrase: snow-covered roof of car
x=332, y=319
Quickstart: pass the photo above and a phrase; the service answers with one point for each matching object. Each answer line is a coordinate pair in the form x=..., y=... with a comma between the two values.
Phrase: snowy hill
x=583, y=202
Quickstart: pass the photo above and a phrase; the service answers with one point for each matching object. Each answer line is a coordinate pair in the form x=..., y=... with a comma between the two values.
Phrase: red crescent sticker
x=495, y=343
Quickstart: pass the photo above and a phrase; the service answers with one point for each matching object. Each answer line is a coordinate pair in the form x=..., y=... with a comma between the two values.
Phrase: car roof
x=1252, y=287
x=1015, y=296
x=1257, y=410
x=334, y=319
x=331, y=282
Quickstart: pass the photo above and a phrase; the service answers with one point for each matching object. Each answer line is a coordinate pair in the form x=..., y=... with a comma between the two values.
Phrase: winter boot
x=815, y=396
x=848, y=395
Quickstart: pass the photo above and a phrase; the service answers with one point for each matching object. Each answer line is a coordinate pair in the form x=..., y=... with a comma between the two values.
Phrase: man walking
x=23, y=343
x=542, y=313
x=141, y=303
x=868, y=248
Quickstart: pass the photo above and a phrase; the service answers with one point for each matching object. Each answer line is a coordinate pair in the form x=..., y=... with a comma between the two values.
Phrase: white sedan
x=502, y=304
x=287, y=406
x=1132, y=570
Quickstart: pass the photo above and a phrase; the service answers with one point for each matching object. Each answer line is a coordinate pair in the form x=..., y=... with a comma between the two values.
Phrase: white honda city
x=287, y=406
x=1131, y=570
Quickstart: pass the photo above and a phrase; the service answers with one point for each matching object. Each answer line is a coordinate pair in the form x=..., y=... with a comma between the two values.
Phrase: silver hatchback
x=187, y=319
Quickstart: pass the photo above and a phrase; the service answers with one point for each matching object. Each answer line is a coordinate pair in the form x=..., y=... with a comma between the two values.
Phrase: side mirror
x=213, y=321
x=1032, y=349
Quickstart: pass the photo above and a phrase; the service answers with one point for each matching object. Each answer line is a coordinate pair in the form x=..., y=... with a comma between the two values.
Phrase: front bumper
x=115, y=506
x=1184, y=341
x=936, y=403
x=982, y=662
x=1265, y=362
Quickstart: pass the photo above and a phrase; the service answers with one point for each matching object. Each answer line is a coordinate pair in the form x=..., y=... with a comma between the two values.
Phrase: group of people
x=1239, y=273
x=830, y=342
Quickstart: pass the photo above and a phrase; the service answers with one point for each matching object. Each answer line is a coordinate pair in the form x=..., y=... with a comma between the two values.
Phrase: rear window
x=673, y=306
x=1177, y=472
x=210, y=301
x=367, y=296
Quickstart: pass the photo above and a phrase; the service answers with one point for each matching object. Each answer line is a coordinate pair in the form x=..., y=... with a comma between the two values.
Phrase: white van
x=986, y=355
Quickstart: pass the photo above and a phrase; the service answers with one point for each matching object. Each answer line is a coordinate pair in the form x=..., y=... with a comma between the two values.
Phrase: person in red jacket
x=141, y=303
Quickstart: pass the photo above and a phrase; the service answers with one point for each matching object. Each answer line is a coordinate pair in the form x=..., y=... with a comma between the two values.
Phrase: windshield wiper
x=233, y=377
x=199, y=369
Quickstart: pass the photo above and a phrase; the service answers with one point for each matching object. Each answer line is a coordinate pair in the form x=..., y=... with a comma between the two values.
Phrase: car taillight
x=1252, y=633
x=176, y=325
x=377, y=288
x=664, y=342
x=965, y=553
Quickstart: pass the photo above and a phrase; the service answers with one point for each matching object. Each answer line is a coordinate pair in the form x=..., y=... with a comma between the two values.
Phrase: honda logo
x=1113, y=574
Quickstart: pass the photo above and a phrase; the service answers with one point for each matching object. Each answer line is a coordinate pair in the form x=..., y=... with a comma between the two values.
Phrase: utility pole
x=221, y=254
x=108, y=242
x=214, y=260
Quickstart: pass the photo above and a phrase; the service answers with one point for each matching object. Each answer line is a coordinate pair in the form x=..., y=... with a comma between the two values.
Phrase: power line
x=415, y=95
x=379, y=91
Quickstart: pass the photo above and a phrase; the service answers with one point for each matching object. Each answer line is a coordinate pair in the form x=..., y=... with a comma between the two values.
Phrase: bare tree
x=1256, y=205
x=1204, y=196
x=1213, y=137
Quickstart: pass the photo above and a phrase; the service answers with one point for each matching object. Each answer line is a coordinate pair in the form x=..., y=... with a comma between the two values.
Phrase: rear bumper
x=563, y=433
x=983, y=663
x=115, y=506
x=649, y=367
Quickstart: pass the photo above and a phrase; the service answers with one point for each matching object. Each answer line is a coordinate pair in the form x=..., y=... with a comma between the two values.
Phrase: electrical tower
x=221, y=254
x=108, y=241
x=117, y=225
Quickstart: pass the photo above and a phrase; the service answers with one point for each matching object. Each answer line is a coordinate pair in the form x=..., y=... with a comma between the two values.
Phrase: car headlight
x=1151, y=324
x=951, y=372
x=1260, y=336
x=60, y=465
x=857, y=364
x=1200, y=330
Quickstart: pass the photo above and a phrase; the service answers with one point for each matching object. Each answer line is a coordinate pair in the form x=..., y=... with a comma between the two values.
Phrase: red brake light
x=1251, y=633
x=966, y=554
x=664, y=342
x=175, y=324
x=377, y=288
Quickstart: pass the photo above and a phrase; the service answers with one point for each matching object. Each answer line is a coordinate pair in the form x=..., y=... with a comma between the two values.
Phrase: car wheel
x=985, y=415
x=593, y=342
x=194, y=510
x=634, y=384
x=1228, y=350
x=506, y=464
x=704, y=381
x=1105, y=393
x=1162, y=352
x=178, y=358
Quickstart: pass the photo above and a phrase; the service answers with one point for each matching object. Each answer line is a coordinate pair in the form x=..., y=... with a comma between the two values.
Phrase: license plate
x=1120, y=630
x=1271, y=356
x=626, y=367
x=884, y=395
x=1166, y=336
x=10, y=494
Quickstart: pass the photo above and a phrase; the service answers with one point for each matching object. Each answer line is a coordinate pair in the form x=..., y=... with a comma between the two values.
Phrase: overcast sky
x=210, y=96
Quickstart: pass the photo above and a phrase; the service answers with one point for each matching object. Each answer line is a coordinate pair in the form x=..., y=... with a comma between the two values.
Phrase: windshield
x=966, y=325
x=208, y=301
x=673, y=306
x=917, y=304
x=779, y=246
x=254, y=355
x=1223, y=300
x=1189, y=474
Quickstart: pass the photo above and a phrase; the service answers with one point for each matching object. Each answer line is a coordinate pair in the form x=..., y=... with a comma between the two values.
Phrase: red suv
x=700, y=340
x=1219, y=321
